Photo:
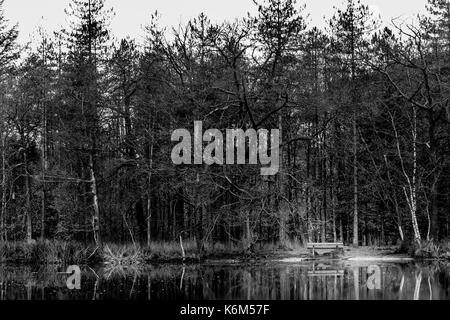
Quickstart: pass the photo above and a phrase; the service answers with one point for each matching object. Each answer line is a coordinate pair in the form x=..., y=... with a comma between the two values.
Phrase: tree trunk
x=355, y=184
x=149, y=191
x=3, y=208
x=434, y=223
x=199, y=211
x=333, y=198
x=29, y=238
x=149, y=219
x=95, y=205
x=44, y=148
x=248, y=231
x=308, y=193
x=281, y=201
x=413, y=195
x=43, y=204
x=44, y=186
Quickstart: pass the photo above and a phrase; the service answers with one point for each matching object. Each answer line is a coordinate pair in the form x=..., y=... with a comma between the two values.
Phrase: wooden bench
x=324, y=246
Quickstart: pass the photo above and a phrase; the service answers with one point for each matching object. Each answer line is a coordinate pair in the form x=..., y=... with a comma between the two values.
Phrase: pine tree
x=350, y=28
x=280, y=26
x=8, y=42
x=8, y=54
x=87, y=41
x=437, y=24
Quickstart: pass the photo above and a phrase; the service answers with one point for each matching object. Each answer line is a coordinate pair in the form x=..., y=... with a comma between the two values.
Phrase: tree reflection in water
x=268, y=281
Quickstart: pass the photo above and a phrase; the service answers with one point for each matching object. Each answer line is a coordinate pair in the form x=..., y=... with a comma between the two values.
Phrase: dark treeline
x=363, y=110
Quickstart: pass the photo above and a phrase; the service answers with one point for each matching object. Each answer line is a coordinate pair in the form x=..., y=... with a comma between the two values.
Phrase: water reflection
x=218, y=282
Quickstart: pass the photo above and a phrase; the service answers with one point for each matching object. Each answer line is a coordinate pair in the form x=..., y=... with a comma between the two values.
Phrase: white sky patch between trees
x=132, y=15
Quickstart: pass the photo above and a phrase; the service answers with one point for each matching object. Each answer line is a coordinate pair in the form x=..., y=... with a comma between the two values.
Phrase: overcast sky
x=131, y=15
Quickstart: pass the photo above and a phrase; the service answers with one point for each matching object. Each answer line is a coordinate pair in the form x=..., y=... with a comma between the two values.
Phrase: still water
x=270, y=281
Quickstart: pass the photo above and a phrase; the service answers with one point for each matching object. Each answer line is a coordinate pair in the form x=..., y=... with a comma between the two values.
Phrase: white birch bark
x=410, y=190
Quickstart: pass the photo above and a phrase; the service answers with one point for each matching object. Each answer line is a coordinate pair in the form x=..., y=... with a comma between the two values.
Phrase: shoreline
x=62, y=253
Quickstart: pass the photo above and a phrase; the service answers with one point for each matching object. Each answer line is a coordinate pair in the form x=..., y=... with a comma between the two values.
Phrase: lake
x=228, y=281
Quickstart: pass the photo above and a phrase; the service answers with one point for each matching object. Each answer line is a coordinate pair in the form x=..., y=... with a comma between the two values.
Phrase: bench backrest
x=325, y=245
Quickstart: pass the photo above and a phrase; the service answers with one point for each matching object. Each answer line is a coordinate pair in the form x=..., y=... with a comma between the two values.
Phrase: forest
x=362, y=107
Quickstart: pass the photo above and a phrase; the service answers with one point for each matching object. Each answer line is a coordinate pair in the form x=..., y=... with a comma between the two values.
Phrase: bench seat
x=324, y=246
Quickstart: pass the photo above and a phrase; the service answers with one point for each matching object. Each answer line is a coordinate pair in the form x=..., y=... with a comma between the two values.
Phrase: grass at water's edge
x=427, y=249
x=69, y=253
x=49, y=252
